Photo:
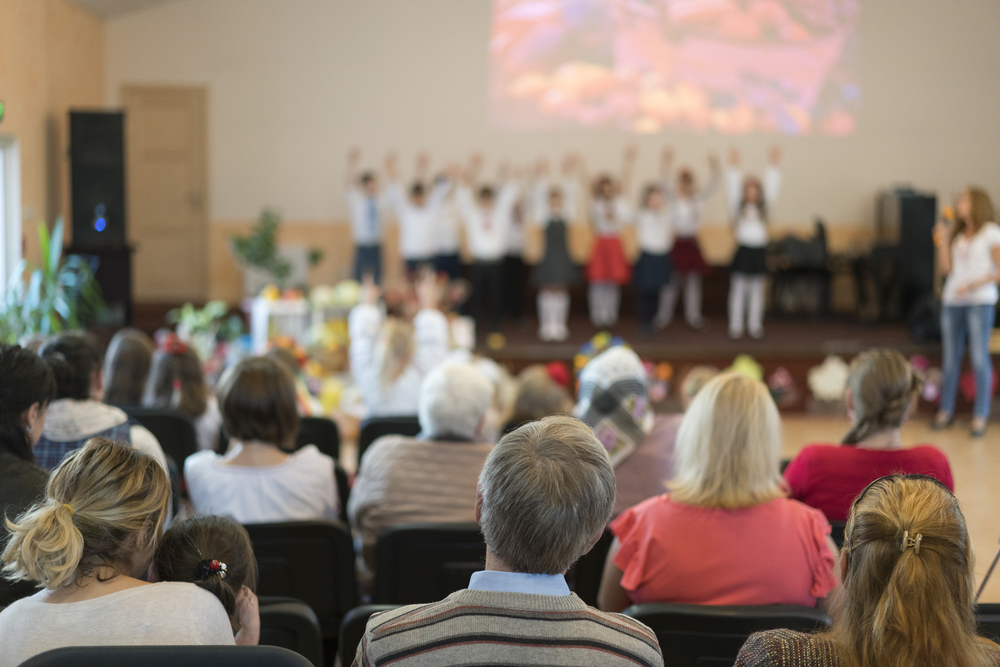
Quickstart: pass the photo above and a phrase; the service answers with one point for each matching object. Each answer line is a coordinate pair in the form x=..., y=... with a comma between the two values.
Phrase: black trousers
x=514, y=279
x=487, y=295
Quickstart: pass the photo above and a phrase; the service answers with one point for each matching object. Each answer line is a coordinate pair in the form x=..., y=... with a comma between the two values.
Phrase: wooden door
x=167, y=186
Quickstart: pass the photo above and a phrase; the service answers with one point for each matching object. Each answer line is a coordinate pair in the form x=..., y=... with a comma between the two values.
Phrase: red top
x=773, y=553
x=829, y=477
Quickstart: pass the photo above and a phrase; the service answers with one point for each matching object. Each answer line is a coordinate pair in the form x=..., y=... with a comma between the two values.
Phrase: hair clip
x=207, y=568
x=172, y=344
x=911, y=542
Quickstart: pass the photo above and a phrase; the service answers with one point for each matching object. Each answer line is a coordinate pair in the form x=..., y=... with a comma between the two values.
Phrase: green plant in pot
x=259, y=249
x=59, y=294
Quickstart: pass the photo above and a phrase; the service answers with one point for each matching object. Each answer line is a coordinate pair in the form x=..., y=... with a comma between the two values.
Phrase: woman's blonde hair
x=394, y=349
x=103, y=505
x=728, y=446
x=883, y=386
x=982, y=212
x=902, y=606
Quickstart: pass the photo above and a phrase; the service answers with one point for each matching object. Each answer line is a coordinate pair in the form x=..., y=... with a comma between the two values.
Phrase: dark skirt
x=556, y=268
x=687, y=256
x=750, y=261
x=652, y=272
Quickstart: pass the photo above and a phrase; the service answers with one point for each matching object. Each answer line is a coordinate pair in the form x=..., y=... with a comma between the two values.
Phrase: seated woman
x=908, y=575
x=88, y=544
x=614, y=401
x=725, y=534
x=26, y=389
x=390, y=356
x=176, y=382
x=538, y=396
x=882, y=390
x=78, y=414
x=126, y=367
x=260, y=479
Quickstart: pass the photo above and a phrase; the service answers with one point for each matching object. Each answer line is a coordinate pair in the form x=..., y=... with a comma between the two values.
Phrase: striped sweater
x=475, y=627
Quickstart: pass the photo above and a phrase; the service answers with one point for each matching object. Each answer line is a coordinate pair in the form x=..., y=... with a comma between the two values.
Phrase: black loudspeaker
x=908, y=217
x=97, y=178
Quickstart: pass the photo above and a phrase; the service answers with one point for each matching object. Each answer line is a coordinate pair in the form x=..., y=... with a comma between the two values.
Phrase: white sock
x=668, y=303
x=737, y=295
x=560, y=300
x=614, y=299
x=755, y=318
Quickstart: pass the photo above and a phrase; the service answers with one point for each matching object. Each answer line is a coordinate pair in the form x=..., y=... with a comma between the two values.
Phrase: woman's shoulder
x=785, y=648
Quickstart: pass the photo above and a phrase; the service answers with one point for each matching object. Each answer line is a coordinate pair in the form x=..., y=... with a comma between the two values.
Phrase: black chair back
x=175, y=433
x=426, y=562
x=321, y=432
x=291, y=624
x=343, y=490
x=374, y=428
x=585, y=575
x=168, y=656
x=312, y=561
x=703, y=636
x=837, y=529
x=988, y=621
x=352, y=629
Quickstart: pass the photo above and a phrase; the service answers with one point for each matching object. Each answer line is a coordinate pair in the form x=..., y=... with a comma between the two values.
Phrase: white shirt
x=542, y=212
x=301, y=488
x=608, y=216
x=416, y=223
x=654, y=231
x=430, y=347
x=163, y=614
x=516, y=235
x=751, y=228
x=446, y=226
x=685, y=212
x=487, y=229
x=366, y=216
x=519, y=582
x=972, y=260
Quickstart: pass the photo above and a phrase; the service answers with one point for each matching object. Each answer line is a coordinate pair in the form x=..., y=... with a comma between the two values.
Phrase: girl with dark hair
x=26, y=389
x=126, y=367
x=78, y=414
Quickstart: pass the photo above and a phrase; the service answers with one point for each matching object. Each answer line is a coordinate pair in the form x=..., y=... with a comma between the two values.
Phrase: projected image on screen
x=732, y=66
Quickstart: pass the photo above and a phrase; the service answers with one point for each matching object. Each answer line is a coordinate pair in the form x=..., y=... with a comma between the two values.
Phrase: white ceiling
x=112, y=8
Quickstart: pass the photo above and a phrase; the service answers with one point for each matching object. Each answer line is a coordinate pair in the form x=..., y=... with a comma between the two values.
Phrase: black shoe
x=940, y=426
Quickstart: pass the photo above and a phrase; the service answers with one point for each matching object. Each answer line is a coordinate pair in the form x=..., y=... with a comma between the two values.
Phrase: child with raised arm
x=685, y=202
x=608, y=269
x=749, y=199
x=416, y=212
x=365, y=203
x=554, y=211
x=653, y=271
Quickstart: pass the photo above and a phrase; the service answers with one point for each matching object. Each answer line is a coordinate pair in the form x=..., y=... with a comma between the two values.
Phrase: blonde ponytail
x=104, y=506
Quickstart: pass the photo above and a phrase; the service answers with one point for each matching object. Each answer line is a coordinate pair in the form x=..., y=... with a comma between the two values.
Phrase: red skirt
x=608, y=263
x=687, y=257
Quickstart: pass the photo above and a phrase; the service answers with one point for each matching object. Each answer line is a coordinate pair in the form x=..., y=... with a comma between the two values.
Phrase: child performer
x=685, y=203
x=748, y=203
x=487, y=217
x=416, y=213
x=365, y=203
x=556, y=273
x=652, y=273
x=608, y=269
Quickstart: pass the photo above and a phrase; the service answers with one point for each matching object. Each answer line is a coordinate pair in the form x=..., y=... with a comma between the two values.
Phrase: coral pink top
x=829, y=477
x=773, y=553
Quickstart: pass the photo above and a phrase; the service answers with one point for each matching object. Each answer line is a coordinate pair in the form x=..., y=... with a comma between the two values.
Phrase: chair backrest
x=703, y=636
x=585, y=575
x=168, y=656
x=321, y=432
x=837, y=529
x=374, y=428
x=292, y=624
x=312, y=561
x=426, y=562
x=352, y=629
x=175, y=433
x=343, y=490
x=988, y=621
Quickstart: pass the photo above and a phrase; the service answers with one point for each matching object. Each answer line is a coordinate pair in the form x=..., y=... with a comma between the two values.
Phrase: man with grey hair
x=545, y=495
x=430, y=478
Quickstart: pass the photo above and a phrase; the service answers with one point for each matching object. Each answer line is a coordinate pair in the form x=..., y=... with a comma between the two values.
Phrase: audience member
x=614, y=401
x=538, y=395
x=176, y=382
x=215, y=553
x=431, y=477
x=126, y=367
x=882, y=390
x=389, y=356
x=260, y=479
x=26, y=389
x=88, y=544
x=544, y=496
x=78, y=414
x=908, y=585
x=725, y=501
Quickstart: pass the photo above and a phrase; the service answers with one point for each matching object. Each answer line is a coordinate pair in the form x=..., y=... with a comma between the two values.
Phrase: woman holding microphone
x=968, y=253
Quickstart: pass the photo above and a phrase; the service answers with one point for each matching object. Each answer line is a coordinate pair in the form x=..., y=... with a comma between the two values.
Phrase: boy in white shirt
x=365, y=203
x=415, y=213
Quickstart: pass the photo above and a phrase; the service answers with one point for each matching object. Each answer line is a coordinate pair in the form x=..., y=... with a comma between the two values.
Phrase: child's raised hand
x=631, y=152
x=542, y=167
x=734, y=157
x=428, y=294
x=354, y=155
x=249, y=613
x=775, y=155
x=390, y=165
x=667, y=157
x=369, y=290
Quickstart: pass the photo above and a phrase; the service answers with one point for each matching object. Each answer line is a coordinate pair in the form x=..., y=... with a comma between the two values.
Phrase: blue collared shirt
x=519, y=582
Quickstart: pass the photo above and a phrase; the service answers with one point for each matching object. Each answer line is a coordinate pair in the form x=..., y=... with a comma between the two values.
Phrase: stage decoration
x=744, y=364
x=828, y=381
x=599, y=343
x=658, y=378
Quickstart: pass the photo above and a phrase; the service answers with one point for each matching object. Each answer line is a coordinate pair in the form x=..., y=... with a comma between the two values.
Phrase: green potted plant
x=264, y=263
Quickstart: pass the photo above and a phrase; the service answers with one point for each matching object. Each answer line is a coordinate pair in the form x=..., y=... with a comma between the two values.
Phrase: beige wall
x=293, y=83
x=51, y=60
